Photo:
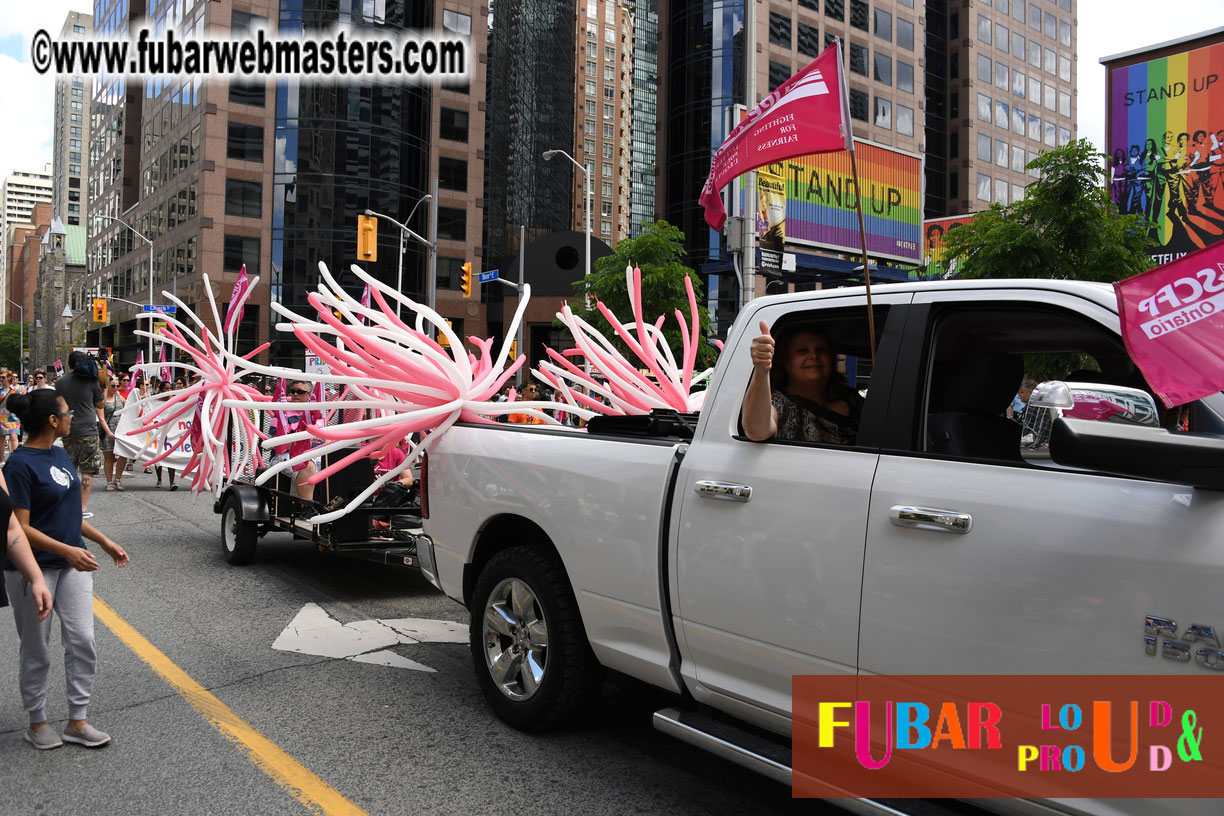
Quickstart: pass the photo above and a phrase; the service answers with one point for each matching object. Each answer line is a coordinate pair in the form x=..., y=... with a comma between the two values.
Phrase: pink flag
x=165, y=370
x=281, y=393
x=233, y=313
x=365, y=300
x=808, y=113
x=139, y=361
x=1173, y=325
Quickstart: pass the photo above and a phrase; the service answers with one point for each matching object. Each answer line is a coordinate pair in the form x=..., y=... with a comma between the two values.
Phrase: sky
x=1106, y=27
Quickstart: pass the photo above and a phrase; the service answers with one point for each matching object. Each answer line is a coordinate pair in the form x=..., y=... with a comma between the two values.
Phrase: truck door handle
x=723, y=490
x=925, y=518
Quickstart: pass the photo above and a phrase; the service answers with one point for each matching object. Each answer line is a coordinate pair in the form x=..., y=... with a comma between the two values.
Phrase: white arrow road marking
x=315, y=632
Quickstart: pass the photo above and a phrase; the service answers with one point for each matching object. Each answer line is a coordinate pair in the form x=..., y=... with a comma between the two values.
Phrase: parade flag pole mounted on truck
x=808, y=113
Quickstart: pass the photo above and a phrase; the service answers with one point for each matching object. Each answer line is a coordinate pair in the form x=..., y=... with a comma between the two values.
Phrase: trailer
x=384, y=535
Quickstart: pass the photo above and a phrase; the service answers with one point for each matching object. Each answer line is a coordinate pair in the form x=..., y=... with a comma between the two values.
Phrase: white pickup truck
x=717, y=568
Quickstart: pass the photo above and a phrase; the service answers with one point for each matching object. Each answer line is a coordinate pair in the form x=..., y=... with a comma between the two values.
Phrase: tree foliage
x=10, y=348
x=658, y=251
x=1065, y=227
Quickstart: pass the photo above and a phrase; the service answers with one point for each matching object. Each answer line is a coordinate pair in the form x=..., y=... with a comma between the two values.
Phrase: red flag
x=808, y=113
x=233, y=312
x=1173, y=325
x=281, y=393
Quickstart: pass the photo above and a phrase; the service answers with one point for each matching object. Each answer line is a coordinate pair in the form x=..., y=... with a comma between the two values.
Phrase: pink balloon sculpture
x=224, y=442
x=403, y=379
x=628, y=390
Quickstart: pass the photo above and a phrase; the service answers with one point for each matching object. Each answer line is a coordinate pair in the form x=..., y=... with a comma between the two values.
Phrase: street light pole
x=21, y=340
x=588, y=204
x=405, y=232
x=150, y=243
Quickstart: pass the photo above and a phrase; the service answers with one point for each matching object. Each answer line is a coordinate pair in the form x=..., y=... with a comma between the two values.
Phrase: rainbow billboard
x=1166, y=147
x=820, y=201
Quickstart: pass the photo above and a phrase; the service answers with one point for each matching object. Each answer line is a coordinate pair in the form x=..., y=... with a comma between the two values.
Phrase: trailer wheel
x=529, y=649
x=238, y=536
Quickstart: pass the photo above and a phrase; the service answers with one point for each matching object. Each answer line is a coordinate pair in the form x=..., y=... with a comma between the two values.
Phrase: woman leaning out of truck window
x=804, y=399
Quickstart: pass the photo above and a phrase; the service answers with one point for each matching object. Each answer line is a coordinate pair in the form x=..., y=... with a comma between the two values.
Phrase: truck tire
x=238, y=536
x=529, y=649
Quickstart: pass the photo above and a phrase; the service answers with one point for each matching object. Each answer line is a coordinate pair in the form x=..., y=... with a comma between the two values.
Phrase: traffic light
x=99, y=310
x=367, y=238
x=466, y=285
x=513, y=350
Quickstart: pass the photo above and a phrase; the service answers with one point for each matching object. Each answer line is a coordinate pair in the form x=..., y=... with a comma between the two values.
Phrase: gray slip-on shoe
x=43, y=739
x=88, y=736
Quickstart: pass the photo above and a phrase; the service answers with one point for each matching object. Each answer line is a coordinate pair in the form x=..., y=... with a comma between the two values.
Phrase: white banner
x=143, y=447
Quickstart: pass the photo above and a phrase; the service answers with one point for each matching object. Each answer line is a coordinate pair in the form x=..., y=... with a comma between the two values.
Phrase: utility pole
x=748, y=247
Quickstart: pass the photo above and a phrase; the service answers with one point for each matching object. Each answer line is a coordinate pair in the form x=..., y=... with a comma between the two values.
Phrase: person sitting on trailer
x=290, y=421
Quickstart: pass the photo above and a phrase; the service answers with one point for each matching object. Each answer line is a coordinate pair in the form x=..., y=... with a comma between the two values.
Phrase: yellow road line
x=318, y=796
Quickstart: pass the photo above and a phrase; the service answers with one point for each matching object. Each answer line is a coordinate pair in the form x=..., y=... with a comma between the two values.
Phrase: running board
x=758, y=754
x=731, y=743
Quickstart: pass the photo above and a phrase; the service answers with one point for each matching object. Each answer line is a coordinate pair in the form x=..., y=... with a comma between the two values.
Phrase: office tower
x=605, y=95
x=271, y=173
x=71, y=132
x=1001, y=90
x=23, y=190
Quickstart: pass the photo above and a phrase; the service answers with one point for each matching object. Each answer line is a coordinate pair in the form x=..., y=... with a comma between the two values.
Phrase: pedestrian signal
x=99, y=310
x=367, y=238
x=466, y=284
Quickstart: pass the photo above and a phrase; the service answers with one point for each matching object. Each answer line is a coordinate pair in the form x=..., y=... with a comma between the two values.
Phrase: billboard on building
x=1166, y=147
x=820, y=205
x=934, y=230
x=771, y=220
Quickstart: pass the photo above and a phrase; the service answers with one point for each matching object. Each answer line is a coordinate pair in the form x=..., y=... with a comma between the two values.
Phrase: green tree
x=10, y=345
x=1065, y=227
x=658, y=251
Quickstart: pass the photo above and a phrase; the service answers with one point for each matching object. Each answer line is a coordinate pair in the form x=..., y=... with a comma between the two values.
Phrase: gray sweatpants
x=73, y=593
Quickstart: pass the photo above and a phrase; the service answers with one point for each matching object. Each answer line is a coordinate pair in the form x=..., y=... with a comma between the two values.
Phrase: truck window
x=818, y=382
x=984, y=362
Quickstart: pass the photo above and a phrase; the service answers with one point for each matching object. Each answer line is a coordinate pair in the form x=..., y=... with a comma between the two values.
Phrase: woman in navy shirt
x=45, y=490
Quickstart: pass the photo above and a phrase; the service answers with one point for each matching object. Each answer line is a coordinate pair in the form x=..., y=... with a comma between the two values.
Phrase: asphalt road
x=388, y=740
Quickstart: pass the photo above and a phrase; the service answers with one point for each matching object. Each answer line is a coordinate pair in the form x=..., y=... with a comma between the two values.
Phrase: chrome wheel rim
x=515, y=639
x=229, y=529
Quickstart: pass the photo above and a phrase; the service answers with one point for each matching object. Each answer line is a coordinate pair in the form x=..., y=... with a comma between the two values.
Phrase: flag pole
x=858, y=200
x=858, y=196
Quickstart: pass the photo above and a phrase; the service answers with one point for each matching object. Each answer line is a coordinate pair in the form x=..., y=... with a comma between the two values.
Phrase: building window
x=1002, y=75
x=607, y=169
x=606, y=189
x=1002, y=118
x=607, y=130
x=452, y=224
x=609, y=92
x=1017, y=121
x=883, y=113
x=78, y=93
x=779, y=29
x=605, y=209
x=814, y=5
x=1017, y=159
x=1034, y=17
x=1018, y=45
x=1002, y=151
x=1034, y=54
x=954, y=65
x=592, y=49
x=1051, y=98
x=1017, y=83
x=905, y=77
x=452, y=173
x=953, y=185
x=1064, y=33
x=588, y=146
x=609, y=53
x=836, y=9
x=1018, y=11
x=1002, y=37
x=983, y=187
x=1034, y=90
x=983, y=68
x=74, y=169
x=858, y=59
x=1034, y=127
x=239, y=250
x=860, y=15
x=589, y=127
x=809, y=40
x=883, y=25
x=984, y=29
x=453, y=124
x=1000, y=191
x=1064, y=68
x=76, y=106
x=1064, y=104
x=905, y=120
x=244, y=142
x=609, y=111
x=953, y=145
x=983, y=147
x=244, y=93
x=779, y=72
x=983, y=105
x=605, y=227
x=456, y=23
x=1049, y=133
x=1050, y=63
x=590, y=87
x=74, y=156
x=590, y=107
x=243, y=198
x=1064, y=136
x=859, y=104
x=609, y=73
x=607, y=150
x=905, y=34
x=76, y=29
x=883, y=68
